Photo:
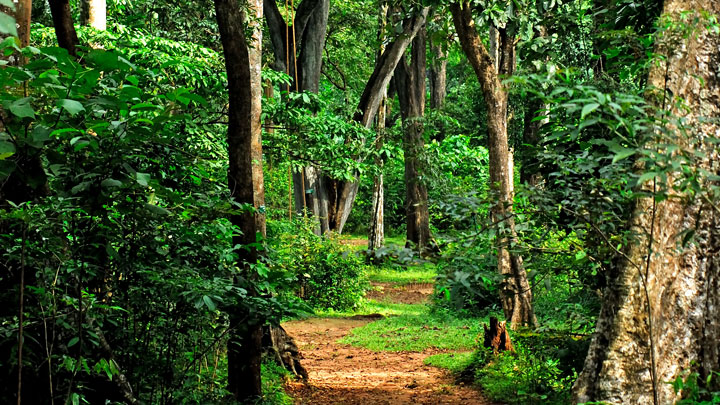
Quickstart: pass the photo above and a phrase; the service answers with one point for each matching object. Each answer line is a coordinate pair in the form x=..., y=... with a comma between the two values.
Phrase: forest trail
x=345, y=374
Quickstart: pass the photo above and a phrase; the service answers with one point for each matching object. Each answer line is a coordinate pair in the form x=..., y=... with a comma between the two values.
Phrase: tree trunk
x=64, y=28
x=410, y=83
x=302, y=45
x=438, y=75
x=376, y=233
x=342, y=193
x=531, y=138
x=94, y=14
x=497, y=337
x=660, y=314
x=28, y=180
x=515, y=292
x=242, y=65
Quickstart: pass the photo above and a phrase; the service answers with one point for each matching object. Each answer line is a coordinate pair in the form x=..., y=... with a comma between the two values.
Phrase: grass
x=424, y=273
x=455, y=362
x=273, y=378
x=416, y=330
x=375, y=307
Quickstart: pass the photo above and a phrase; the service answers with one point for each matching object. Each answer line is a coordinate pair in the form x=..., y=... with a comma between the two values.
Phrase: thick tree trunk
x=308, y=30
x=438, y=75
x=245, y=342
x=410, y=82
x=660, y=313
x=515, y=292
x=94, y=14
x=64, y=28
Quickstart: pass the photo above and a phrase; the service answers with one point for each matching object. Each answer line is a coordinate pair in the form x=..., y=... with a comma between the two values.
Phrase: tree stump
x=281, y=346
x=497, y=337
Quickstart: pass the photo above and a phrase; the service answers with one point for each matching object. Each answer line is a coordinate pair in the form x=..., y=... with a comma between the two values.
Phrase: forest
x=360, y=202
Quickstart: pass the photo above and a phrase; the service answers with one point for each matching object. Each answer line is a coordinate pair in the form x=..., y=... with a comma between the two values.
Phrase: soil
x=414, y=293
x=343, y=374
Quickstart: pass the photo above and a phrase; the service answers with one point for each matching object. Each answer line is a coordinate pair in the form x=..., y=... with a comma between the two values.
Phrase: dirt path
x=343, y=374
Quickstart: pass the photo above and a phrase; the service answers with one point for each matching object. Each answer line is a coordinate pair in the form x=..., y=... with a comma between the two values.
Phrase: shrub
x=542, y=370
x=330, y=275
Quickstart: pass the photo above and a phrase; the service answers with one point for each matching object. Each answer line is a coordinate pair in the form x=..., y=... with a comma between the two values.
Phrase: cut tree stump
x=497, y=336
x=281, y=346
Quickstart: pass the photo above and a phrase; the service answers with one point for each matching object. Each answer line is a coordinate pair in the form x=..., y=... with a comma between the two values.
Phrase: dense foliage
x=118, y=265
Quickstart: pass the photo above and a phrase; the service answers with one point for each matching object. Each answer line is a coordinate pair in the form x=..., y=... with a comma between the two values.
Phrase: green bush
x=330, y=275
x=541, y=371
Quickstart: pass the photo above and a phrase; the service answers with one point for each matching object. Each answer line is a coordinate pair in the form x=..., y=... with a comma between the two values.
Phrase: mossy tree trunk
x=661, y=312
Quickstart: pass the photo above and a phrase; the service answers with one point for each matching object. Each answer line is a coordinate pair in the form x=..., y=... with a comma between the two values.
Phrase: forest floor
x=379, y=354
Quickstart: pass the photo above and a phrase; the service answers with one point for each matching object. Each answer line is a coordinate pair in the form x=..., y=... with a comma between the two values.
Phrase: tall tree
x=94, y=14
x=243, y=68
x=660, y=314
x=410, y=85
x=64, y=27
x=515, y=291
x=344, y=192
x=376, y=234
x=297, y=49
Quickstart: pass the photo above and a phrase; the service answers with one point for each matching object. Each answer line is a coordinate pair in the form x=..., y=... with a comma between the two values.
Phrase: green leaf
x=156, y=209
x=623, y=154
x=7, y=24
x=209, y=302
x=8, y=3
x=22, y=109
x=588, y=108
x=71, y=106
x=645, y=177
x=7, y=149
x=142, y=178
x=73, y=341
x=110, y=183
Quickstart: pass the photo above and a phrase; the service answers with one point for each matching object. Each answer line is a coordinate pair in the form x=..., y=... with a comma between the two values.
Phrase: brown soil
x=415, y=293
x=343, y=374
x=354, y=242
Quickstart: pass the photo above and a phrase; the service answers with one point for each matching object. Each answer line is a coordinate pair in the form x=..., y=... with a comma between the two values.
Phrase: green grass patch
x=374, y=307
x=273, y=379
x=416, y=331
x=424, y=273
x=455, y=362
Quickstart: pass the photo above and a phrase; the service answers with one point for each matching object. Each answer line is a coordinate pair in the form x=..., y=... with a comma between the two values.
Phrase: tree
x=410, y=84
x=341, y=201
x=64, y=28
x=437, y=73
x=242, y=61
x=298, y=51
x=515, y=291
x=376, y=234
x=94, y=14
x=659, y=317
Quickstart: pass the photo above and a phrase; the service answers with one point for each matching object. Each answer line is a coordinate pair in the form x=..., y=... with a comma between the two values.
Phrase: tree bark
x=64, y=28
x=515, y=292
x=438, y=75
x=660, y=313
x=94, y=14
x=242, y=65
x=410, y=83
